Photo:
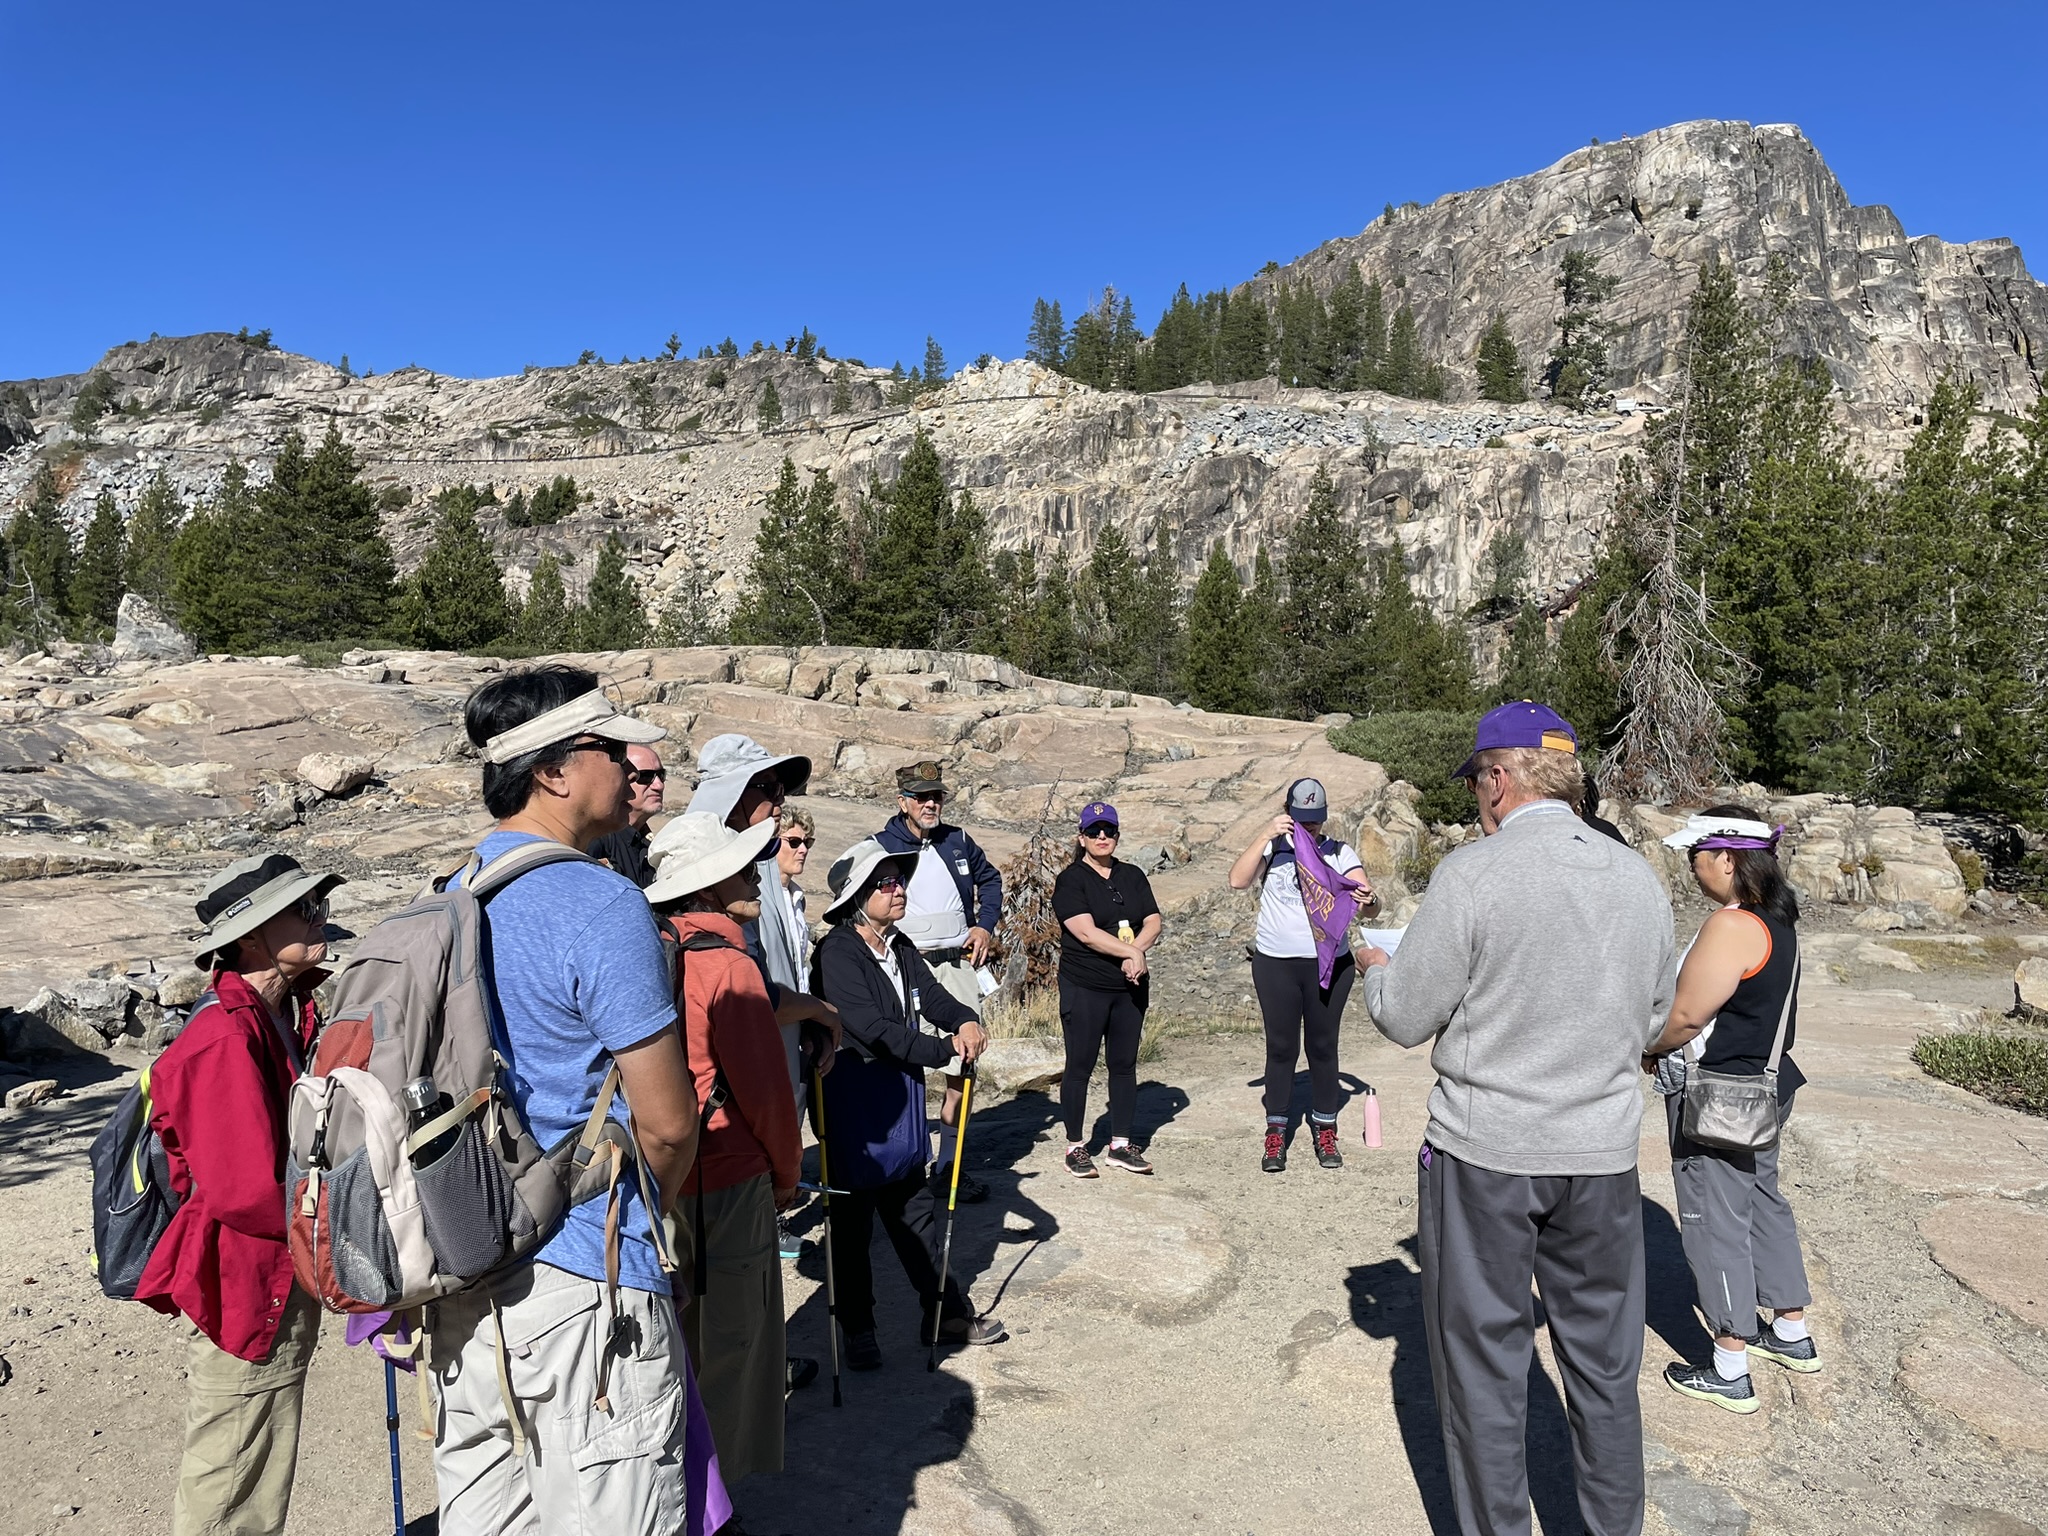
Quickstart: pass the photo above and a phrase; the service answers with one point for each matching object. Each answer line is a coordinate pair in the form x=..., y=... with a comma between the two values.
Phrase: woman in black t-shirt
x=1108, y=923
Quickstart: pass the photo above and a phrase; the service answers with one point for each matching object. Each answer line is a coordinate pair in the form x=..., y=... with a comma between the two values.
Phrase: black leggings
x=1088, y=1017
x=910, y=1217
x=1298, y=1012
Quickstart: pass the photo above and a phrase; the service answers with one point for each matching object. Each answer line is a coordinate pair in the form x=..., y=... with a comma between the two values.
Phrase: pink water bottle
x=1372, y=1118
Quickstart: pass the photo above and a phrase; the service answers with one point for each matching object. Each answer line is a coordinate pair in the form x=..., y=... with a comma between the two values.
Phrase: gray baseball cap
x=1307, y=800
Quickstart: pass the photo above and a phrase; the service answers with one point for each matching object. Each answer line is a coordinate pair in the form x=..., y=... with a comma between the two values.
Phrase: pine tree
x=1110, y=584
x=1577, y=369
x=1298, y=354
x=1501, y=375
x=1372, y=338
x=612, y=618
x=545, y=621
x=337, y=573
x=1088, y=348
x=1527, y=670
x=1220, y=669
x=842, y=391
x=795, y=588
x=1325, y=606
x=806, y=345
x=1243, y=337
x=151, y=529
x=935, y=372
x=39, y=549
x=1046, y=342
x=1404, y=370
x=97, y=580
x=1417, y=661
x=769, y=412
x=1503, y=574
x=1180, y=347
x=1343, y=334
x=1124, y=341
x=1153, y=635
x=1267, y=659
x=455, y=599
x=923, y=578
x=690, y=616
x=1586, y=685
x=227, y=590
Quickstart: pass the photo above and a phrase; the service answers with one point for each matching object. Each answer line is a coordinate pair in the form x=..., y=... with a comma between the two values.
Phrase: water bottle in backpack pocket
x=464, y=1194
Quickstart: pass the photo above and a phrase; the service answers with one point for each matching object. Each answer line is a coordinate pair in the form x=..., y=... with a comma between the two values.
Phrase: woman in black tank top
x=1738, y=985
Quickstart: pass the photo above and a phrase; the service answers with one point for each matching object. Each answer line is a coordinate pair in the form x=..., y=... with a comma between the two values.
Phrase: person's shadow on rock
x=1386, y=1303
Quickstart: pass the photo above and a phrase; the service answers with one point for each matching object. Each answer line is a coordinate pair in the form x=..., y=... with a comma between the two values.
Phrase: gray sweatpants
x=1740, y=1239
x=1484, y=1237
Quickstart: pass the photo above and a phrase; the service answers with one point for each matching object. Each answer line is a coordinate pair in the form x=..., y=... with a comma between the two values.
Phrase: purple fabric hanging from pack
x=1326, y=898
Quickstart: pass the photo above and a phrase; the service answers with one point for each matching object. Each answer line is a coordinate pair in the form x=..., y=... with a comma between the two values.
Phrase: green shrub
x=1969, y=865
x=2009, y=1069
x=1873, y=866
x=1421, y=746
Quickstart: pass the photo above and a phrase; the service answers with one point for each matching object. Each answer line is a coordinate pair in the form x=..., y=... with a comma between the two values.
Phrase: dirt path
x=1217, y=1350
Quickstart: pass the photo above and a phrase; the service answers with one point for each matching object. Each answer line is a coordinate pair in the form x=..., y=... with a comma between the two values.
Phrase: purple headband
x=1735, y=840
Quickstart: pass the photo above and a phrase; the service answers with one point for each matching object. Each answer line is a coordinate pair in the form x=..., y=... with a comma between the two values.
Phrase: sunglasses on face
x=889, y=883
x=798, y=840
x=645, y=776
x=615, y=750
x=769, y=787
x=311, y=909
x=926, y=797
x=1103, y=831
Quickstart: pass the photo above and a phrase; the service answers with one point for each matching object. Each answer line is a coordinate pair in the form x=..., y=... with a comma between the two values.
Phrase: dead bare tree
x=1663, y=643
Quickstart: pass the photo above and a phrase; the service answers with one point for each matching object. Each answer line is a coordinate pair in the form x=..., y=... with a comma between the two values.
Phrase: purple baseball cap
x=1519, y=724
x=1099, y=813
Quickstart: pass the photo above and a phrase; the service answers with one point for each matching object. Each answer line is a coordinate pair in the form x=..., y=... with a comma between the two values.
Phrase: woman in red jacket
x=706, y=883
x=220, y=1092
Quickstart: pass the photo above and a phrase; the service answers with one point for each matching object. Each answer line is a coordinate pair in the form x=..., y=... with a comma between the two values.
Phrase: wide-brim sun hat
x=853, y=869
x=248, y=894
x=588, y=714
x=729, y=763
x=697, y=850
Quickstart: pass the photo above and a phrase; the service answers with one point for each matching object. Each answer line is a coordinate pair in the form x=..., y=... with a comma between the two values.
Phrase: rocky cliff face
x=675, y=459
x=1888, y=313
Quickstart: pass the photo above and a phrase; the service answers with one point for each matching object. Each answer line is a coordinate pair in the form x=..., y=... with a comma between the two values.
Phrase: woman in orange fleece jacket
x=705, y=886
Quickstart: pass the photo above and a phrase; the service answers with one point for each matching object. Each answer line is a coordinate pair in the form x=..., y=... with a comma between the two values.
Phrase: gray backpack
x=369, y=1231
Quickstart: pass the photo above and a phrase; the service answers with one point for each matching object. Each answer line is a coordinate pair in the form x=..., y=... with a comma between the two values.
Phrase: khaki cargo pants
x=242, y=1430
x=565, y=1468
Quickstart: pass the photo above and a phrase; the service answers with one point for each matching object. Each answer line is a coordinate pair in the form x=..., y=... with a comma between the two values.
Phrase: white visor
x=1699, y=828
x=590, y=715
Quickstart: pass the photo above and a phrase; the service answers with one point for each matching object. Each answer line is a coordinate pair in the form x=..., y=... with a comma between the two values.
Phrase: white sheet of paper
x=1388, y=939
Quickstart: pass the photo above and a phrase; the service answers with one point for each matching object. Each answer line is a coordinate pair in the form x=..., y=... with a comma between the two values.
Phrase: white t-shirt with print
x=1283, y=921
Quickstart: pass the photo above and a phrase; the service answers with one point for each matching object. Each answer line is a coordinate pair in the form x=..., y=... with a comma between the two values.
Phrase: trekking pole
x=825, y=1179
x=931, y=1360
x=391, y=1426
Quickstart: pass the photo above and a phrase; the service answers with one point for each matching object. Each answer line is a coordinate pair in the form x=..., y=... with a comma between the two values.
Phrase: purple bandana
x=1326, y=898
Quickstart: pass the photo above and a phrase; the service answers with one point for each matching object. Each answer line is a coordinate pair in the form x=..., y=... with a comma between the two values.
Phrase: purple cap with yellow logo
x=1098, y=813
x=1519, y=724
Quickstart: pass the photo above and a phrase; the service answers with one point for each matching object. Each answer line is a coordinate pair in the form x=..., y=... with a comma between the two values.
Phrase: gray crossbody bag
x=1734, y=1113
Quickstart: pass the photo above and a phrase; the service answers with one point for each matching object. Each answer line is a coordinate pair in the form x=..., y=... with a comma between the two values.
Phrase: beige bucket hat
x=697, y=850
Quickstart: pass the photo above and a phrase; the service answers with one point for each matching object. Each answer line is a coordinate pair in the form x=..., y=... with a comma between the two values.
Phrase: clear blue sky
x=476, y=187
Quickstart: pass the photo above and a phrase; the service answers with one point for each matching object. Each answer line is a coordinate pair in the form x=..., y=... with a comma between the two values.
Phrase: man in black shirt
x=626, y=849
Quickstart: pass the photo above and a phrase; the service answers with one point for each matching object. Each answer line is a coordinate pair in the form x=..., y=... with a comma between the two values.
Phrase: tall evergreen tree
x=97, y=579
x=1220, y=671
x=151, y=529
x=1124, y=341
x=1418, y=662
x=1326, y=604
x=1372, y=338
x=1501, y=376
x=337, y=572
x=455, y=599
x=690, y=616
x=612, y=618
x=546, y=622
x=795, y=591
x=1046, y=342
x=1586, y=688
x=39, y=547
x=1088, y=347
x=1153, y=635
x=1180, y=348
x=768, y=413
x=1405, y=368
x=935, y=372
x=1244, y=337
x=923, y=575
x=1104, y=615
x=842, y=391
x=1527, y=670
x=227, y=590
x=1577, y=369
x=1343, y=335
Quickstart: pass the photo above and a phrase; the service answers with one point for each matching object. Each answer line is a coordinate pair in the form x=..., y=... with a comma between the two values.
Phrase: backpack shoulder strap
x=482, y=881
x=1784, y=1018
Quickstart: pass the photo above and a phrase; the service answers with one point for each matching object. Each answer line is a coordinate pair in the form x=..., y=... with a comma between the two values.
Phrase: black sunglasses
x=1101, y=829
x=615, y=750
x=647, y=775
x=798, y=841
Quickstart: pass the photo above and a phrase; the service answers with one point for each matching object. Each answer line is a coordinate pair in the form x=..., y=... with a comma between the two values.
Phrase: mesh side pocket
x=467, y=1202
x=364, y=1256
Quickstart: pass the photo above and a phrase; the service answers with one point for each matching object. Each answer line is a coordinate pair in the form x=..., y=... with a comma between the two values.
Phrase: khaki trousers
x=735, y=1329
x=581, y=1471
x=242, y=1430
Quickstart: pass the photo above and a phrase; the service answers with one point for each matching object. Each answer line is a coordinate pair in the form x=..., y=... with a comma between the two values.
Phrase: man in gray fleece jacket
x=1541, y=963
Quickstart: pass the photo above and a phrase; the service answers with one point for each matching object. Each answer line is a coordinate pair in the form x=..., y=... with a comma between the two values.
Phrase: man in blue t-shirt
x=562, y=1405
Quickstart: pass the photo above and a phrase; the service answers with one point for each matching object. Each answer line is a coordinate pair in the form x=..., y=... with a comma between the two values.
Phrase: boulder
x=764, y=669
x=901, y=690
x=181, y=988
x=1013, y=1065
x=336, y=774
x=29, y=1094
x=142, y=632
x=87, y=1015
x=2030, y=985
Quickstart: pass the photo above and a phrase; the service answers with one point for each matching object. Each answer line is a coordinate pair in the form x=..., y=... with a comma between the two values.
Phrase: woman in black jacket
x=877, y=1142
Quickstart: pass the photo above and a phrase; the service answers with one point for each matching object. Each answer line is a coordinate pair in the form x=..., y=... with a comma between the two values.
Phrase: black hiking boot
x=1326, y=1144
x=863, y=1353
x=1275, y=1159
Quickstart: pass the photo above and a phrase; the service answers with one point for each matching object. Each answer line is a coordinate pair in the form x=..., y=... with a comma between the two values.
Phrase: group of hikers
x=660, y=1025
